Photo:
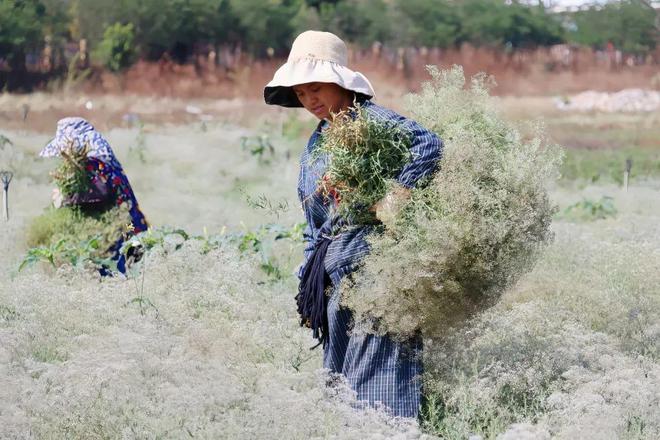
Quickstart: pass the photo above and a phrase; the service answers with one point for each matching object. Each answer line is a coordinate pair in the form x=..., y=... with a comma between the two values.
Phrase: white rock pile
x=628, y=100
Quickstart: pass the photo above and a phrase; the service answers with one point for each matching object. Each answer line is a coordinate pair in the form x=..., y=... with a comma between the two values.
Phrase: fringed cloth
x=312, y=299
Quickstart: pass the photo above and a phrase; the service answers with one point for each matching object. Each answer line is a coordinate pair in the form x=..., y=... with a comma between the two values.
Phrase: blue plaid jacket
x=350, y=245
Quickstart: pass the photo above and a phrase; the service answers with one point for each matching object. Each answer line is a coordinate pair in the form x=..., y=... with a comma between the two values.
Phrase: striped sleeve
x=426, y=146
x=426, y=150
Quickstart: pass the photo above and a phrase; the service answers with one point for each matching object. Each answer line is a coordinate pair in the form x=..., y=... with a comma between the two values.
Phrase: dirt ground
x=39, y=112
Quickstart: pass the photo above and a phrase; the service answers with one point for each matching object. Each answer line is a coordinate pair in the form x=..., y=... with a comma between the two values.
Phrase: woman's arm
x=426, y=151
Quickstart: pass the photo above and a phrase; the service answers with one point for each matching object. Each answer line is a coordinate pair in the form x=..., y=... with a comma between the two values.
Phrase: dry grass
x=570, y=352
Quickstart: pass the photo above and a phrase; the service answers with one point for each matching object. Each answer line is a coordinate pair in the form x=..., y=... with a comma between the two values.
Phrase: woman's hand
x=329, y=190
x=57, y=198
x=388, y=208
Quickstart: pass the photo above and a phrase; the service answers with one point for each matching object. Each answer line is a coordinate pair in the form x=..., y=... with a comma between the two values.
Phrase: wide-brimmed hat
x=76, y=132
x=315, y=57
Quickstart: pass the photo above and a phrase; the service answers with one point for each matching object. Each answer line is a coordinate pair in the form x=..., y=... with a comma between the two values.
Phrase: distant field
x=570, y=352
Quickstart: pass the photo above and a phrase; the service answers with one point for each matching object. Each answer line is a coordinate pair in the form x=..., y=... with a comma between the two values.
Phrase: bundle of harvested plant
x=71, y=175
x=364, y=154
x=468, y=234
x=75, y=226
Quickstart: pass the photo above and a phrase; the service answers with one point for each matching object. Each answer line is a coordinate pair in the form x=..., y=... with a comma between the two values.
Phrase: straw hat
x=315, y=57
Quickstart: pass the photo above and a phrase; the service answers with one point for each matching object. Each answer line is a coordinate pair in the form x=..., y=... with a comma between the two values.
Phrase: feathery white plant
x=471, y=231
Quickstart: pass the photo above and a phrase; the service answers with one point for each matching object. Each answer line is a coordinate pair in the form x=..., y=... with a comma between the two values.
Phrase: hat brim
x=280, y=90
x=52, y=149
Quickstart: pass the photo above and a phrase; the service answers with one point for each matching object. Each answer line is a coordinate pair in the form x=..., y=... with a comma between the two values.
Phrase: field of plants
x=201, y=339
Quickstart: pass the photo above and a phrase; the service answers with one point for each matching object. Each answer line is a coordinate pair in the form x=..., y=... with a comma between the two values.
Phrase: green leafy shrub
x=468, y=234
x=116, y=51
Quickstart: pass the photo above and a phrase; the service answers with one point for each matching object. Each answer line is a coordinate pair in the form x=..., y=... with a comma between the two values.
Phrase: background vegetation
x=262, y=28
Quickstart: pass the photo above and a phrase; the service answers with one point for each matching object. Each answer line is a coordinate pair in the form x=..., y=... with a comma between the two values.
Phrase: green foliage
x=430, y=23
x=77, y=254
x=587, y=209
x=630, y=25
x=68, y=236
x=259, y=241
x=4, y=140
x=20, y=29
x=266, y=24
x=43, y=352
x=361, y=22
x=487, y=22
x=116, y=51
x=364, y=155
x=176, y=27
x=71, y=175
x=608, y=165
x=172, y=26
x=263, y=203
x=259, y=146
x=472, y=231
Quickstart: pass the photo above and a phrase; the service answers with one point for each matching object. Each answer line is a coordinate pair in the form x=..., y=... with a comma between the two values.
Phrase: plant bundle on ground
x=471, y=231
x=365, y=154
x=71, y=175
x=70, y=231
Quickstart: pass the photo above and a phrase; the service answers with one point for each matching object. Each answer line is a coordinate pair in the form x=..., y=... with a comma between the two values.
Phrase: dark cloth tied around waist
x=312, y=299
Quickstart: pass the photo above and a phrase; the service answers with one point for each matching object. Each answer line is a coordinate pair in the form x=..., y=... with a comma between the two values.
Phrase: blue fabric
x=111, y=174
x=379, y=369
x=76, y=132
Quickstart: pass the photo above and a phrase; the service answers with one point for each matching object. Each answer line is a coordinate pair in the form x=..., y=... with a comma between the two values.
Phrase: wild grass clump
x=364, y=155
x=468, y=234
x=66, y=234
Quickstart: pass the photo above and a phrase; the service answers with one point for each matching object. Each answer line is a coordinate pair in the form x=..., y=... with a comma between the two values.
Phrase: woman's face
x=321, y=99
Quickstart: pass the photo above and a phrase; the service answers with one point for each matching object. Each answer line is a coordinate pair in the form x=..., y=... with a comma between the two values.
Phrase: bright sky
x=573, y=2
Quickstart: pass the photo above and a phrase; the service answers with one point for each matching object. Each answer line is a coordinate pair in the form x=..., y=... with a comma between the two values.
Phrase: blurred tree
x=117, y=49
x=178, y=26
x=20, y=30
x=431, y=23
x=628, y=24
x=499, y=22
x=356, y=21
x=267, y=24
x=160, y=26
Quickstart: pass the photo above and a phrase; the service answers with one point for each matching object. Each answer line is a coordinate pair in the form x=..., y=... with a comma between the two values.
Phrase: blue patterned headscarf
x=78, y=132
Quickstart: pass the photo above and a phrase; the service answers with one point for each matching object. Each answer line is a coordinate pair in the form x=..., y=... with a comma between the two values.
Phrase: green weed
x=259, y=147
x=587, y=209
x=608, y=166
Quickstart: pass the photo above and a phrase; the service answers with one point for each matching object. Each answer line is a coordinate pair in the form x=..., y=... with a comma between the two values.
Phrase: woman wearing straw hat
x=380, y=370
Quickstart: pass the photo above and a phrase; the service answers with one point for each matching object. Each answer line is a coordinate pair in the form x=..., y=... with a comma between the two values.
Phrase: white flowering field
x=202, y=339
